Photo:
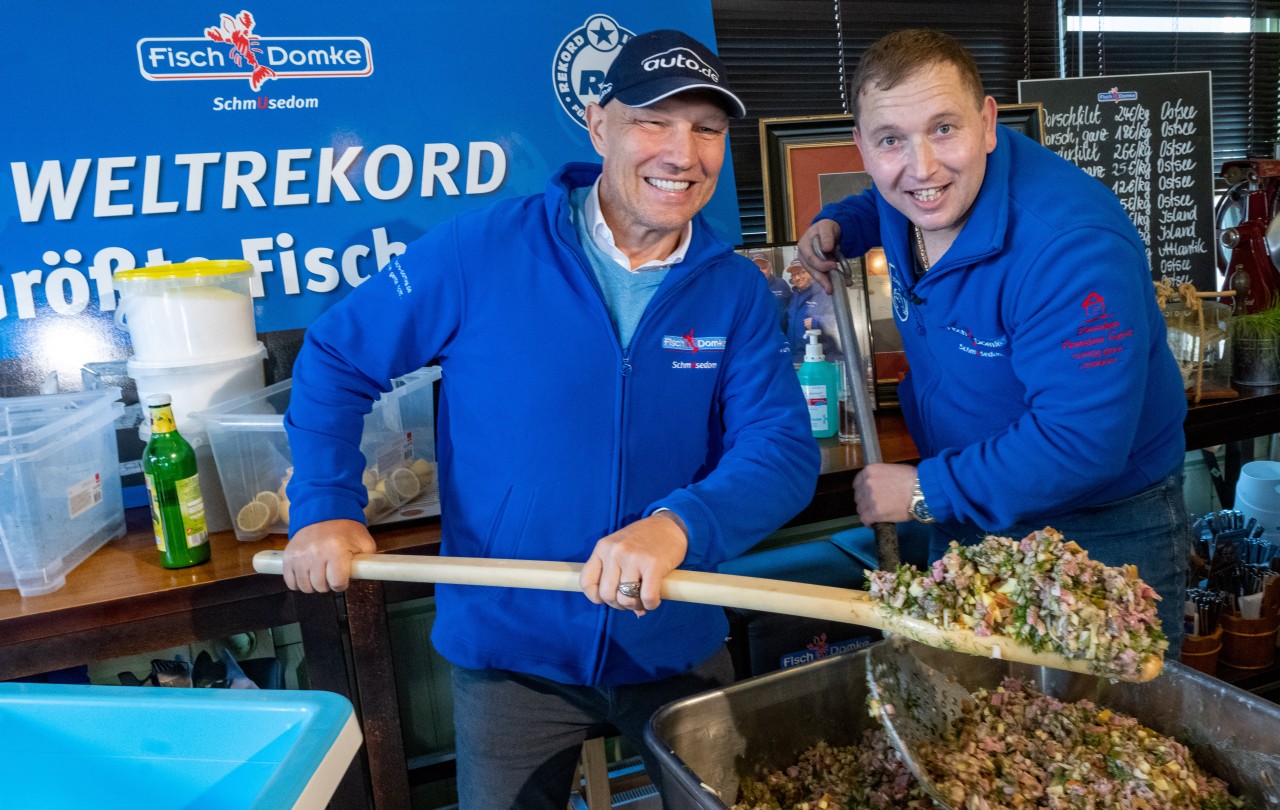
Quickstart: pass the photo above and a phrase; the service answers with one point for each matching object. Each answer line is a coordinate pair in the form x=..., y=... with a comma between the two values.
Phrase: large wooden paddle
x=727, y=590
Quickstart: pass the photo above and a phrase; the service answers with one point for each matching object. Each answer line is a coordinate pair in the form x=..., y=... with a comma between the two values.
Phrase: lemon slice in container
x=272, y=500
x=404, y=483
x=254, y=517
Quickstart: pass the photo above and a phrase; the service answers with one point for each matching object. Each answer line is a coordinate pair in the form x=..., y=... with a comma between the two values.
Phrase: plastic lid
x=187, y=270
x=199, y=365
x=813, y=350
x=156, y=400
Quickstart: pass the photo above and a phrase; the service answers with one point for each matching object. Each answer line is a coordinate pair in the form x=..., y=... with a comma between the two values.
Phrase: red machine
x=1252, y=246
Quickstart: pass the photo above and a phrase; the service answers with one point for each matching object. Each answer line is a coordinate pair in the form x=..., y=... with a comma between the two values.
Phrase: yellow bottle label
x=155, y=513
x=162, y=419
x=192, y=505
x=191, y=508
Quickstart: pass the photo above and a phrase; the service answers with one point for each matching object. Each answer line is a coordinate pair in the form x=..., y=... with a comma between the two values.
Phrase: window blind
x=1245, y=66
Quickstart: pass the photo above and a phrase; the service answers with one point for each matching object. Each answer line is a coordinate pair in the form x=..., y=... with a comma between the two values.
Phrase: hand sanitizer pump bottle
x=820, y=382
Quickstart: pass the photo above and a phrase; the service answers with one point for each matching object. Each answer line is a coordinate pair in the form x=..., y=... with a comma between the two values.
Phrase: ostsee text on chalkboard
x=1149, y=138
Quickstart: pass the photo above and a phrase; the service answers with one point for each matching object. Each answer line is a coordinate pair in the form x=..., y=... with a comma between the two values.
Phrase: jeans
x=1150, y=530
x=519, y=736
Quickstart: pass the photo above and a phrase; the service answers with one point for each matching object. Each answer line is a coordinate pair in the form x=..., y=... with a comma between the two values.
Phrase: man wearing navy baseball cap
x=659, y=64
x=647, y=419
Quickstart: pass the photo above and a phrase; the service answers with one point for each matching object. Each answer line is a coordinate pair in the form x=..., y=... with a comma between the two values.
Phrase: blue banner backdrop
x=313, y=139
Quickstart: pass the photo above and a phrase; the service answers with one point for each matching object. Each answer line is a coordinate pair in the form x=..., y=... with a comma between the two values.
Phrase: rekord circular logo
x=581, y=62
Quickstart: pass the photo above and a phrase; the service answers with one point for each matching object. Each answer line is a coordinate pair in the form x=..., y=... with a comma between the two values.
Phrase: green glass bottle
x=173, y=487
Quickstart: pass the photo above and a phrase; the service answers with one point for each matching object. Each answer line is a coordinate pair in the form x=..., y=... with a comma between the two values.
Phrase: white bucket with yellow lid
x=193, y=312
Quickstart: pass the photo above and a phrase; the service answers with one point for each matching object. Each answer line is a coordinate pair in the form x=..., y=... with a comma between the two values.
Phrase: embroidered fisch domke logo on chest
x=695, y=346
x=689, y=342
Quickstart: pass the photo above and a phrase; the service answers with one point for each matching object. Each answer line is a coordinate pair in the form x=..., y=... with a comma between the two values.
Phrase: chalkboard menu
x=1149, y=138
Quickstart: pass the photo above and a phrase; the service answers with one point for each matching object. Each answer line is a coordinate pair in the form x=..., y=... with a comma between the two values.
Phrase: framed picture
x=803, y=305
x=795, y=153
x=810, y=160
x=1025, y=118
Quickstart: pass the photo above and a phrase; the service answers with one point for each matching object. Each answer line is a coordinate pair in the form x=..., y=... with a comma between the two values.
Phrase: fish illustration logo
x=238, y=33
x=688, y=339
x=819, y=646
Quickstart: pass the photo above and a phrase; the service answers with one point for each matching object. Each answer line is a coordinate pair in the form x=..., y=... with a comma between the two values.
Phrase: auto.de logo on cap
x=581, y=62
x=679, y=58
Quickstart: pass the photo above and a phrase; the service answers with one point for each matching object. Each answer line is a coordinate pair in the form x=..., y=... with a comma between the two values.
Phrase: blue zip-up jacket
x=550, y=436
x=1041, y=380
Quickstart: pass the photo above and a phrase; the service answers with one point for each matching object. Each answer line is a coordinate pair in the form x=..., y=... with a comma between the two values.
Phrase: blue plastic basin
x=78, y=747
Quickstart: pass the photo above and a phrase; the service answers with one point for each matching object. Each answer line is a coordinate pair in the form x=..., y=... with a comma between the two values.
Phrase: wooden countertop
x=121, y=590
x=124, y=582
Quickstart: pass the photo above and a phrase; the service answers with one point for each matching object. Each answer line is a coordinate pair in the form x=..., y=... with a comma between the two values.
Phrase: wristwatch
x=919, y=510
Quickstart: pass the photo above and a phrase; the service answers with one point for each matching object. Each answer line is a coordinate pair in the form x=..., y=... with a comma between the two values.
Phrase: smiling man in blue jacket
x=615, y=391
x=1041, y=391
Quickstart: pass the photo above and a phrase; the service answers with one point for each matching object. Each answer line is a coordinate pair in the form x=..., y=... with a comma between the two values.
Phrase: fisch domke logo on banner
x=232, y=49
x=581, y=62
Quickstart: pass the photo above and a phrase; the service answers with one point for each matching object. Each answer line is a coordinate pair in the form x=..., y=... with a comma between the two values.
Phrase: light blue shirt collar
x=603, y=236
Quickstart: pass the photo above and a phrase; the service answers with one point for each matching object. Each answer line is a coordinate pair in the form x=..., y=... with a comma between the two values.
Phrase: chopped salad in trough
x=1012, y=748
x=1041, y=591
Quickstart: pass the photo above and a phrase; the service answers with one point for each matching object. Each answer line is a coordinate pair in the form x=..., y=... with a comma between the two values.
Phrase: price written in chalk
x=1148, y=138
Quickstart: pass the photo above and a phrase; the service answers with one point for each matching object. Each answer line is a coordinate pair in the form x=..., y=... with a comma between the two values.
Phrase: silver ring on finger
x=631, y=589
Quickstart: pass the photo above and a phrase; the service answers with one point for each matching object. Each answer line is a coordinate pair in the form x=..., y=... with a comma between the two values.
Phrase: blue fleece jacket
x=551, y=436
x=1040, y=378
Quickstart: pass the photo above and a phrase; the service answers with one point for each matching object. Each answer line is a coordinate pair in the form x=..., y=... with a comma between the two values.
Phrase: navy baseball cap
x=659, y=64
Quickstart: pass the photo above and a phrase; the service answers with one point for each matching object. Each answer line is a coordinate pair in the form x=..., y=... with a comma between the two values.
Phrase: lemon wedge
x=379, y=504
x=425, y=471
x=254, y=517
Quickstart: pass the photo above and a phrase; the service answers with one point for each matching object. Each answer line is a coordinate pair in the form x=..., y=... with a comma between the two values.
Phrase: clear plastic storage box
x=59, y=485
x=254, y=462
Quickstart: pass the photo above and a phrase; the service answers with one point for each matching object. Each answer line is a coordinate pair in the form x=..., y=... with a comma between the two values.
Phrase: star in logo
x=581, y=62
x=603, y=34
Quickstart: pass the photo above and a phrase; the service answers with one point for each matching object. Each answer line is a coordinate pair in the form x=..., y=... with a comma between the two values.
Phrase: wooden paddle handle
x=726, y=590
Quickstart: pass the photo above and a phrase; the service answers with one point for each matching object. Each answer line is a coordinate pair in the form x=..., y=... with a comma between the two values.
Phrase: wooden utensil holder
x=1201, y=652
x=1248, y=643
